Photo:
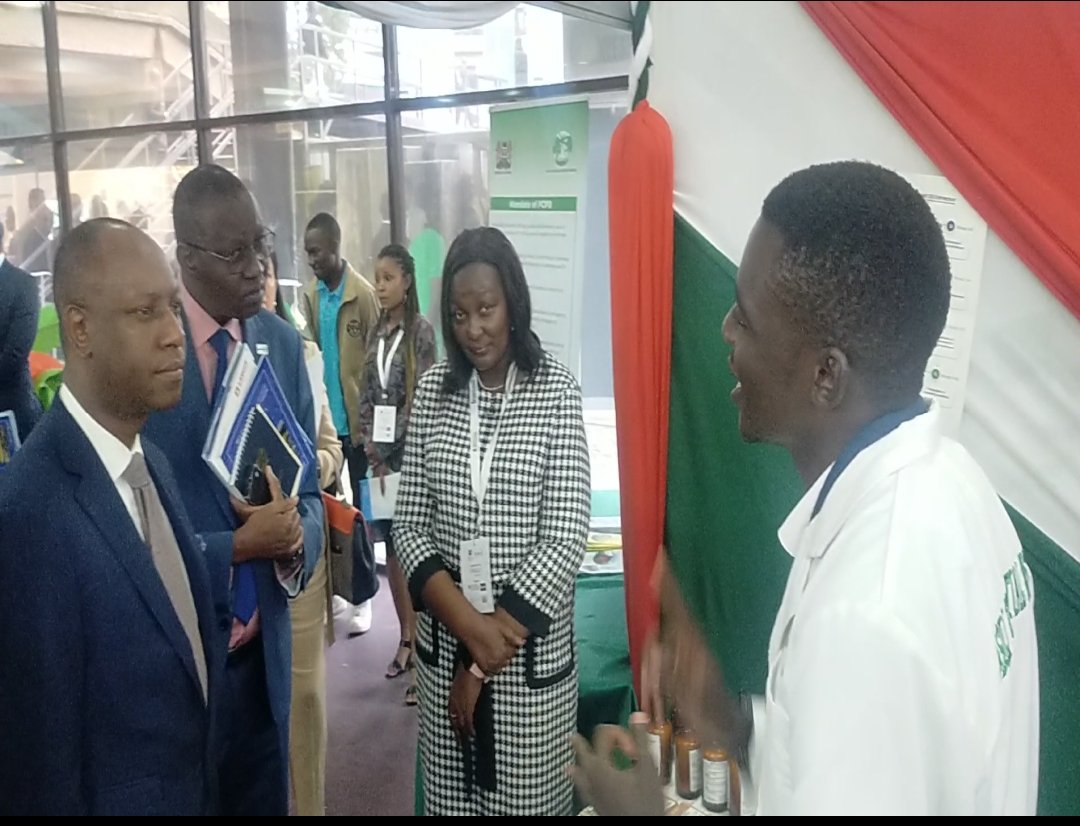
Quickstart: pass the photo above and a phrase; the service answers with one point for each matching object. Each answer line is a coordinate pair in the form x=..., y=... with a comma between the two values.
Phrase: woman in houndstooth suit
x=490, y=525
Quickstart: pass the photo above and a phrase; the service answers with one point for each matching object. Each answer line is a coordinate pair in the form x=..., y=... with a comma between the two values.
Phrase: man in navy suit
x=108, y=671
x=18, y=329
x=258, y=556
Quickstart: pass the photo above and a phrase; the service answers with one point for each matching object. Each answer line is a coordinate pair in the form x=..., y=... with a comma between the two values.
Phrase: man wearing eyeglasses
x=258, y=557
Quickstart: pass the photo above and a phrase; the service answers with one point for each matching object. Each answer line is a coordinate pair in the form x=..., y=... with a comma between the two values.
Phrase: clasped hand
x=494, y=640
x=492, y=644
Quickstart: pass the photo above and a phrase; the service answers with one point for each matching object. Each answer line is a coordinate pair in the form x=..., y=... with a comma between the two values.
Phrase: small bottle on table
x=687, y=764
x=659, y=738
x=716, y=779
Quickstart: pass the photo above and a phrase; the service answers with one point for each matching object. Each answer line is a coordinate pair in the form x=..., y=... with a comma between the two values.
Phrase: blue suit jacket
x=181, y=432
x=18, y=329
x=101, y=711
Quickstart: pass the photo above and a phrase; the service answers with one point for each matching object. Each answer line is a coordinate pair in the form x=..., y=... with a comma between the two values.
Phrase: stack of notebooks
x=253, y=427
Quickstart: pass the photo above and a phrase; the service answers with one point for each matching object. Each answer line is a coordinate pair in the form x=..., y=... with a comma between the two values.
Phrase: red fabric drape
x=642, y=225
x=991, y=92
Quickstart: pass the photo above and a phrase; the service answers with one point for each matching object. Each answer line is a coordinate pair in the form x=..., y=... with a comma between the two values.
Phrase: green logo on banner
x=564, y=145
x=504, y=155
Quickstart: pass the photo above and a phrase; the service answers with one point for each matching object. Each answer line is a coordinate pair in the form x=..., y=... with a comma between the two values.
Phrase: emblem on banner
x=504, y=155
x=564, y=145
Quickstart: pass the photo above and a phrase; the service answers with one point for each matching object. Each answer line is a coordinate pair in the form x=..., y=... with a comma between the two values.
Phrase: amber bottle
x=687, y=764
x=660, y=736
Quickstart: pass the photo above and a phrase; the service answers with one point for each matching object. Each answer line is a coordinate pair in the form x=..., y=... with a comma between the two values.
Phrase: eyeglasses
x=261, y=248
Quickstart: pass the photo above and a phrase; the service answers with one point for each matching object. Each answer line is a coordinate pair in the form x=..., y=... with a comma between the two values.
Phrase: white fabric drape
x=452, y=14
x=735, y=140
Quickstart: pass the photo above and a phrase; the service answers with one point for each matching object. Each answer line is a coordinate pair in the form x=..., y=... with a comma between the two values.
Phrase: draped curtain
x=452, y=14
x=991, y=92
x=641, y=184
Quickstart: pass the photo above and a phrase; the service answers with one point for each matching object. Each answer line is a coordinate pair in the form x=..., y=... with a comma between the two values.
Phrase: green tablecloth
x=605, y=686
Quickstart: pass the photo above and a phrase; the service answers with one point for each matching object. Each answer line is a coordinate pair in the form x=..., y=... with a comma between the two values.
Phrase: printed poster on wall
x=965, y=240
x=538, y=178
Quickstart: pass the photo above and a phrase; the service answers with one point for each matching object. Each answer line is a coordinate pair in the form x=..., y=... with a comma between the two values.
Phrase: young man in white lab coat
x=903, y=671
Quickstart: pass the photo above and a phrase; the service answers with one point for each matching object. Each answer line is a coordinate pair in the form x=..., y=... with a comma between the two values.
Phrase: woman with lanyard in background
x=402, y=351
x=491, y=524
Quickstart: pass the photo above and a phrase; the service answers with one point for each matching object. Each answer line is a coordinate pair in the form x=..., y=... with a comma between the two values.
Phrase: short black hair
x=327, y=224
x=864, y=269
x=487, y=245
x=202, y=186
x=75, y=259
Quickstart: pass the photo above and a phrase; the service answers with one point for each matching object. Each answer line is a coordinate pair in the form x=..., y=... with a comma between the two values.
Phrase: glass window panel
x=124, y=62
x=447, y=190
x=28, y=208
x=300, y=168
x=24, y=90
x=131, y=177
x=447, y=162
x=528, y=46
x=289, y=55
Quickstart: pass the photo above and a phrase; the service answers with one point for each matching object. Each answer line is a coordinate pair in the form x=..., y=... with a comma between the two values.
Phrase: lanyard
x=384, y=365
x=480, y=471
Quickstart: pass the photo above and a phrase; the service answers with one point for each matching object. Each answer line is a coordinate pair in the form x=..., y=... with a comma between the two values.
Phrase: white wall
x=754, y=91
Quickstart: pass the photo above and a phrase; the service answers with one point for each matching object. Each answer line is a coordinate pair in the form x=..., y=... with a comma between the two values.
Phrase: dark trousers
x=381, y=532
x=358, y=468
x=357, y=462
x=253, y=772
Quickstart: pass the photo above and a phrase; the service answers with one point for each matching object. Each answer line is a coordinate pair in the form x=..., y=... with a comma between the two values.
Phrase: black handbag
x=352, y=554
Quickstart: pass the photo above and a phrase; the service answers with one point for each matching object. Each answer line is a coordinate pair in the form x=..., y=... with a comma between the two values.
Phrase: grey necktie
x=159, y=535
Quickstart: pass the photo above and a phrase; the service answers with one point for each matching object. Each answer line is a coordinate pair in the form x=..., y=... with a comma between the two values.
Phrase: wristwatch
x=475, y=670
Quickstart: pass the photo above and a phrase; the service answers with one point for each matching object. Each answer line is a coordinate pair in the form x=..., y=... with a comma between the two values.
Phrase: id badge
x=385, y=425
x=476, y=574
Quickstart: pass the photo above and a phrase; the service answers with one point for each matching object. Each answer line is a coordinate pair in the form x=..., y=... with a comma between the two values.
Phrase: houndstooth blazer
x=536, y=516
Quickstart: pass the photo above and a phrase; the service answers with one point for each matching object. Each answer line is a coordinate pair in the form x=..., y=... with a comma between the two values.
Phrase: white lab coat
x=903, y=671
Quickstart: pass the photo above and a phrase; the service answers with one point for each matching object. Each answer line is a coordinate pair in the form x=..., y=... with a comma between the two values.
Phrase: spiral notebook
x=252, y=426
x=261, y=444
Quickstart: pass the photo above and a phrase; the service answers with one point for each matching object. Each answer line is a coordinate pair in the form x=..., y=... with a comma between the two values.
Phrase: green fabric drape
x=725, y=498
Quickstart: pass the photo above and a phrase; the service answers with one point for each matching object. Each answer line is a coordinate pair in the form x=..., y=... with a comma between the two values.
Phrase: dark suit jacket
x=31, y=249
x=18, y=329
x=181, y=432
x=101, y=711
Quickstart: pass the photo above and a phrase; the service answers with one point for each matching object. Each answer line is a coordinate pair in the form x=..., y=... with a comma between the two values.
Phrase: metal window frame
x=390, y=107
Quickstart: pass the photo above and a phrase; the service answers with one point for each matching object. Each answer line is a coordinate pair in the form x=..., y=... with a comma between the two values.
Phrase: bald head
x=90, y=251
x=119, y=309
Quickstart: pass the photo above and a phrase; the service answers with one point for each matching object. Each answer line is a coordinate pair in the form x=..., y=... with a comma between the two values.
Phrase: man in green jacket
x=340, y=311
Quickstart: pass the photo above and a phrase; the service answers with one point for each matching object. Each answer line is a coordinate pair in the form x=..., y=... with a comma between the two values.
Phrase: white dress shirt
x=903, y=670
x=113, y=453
